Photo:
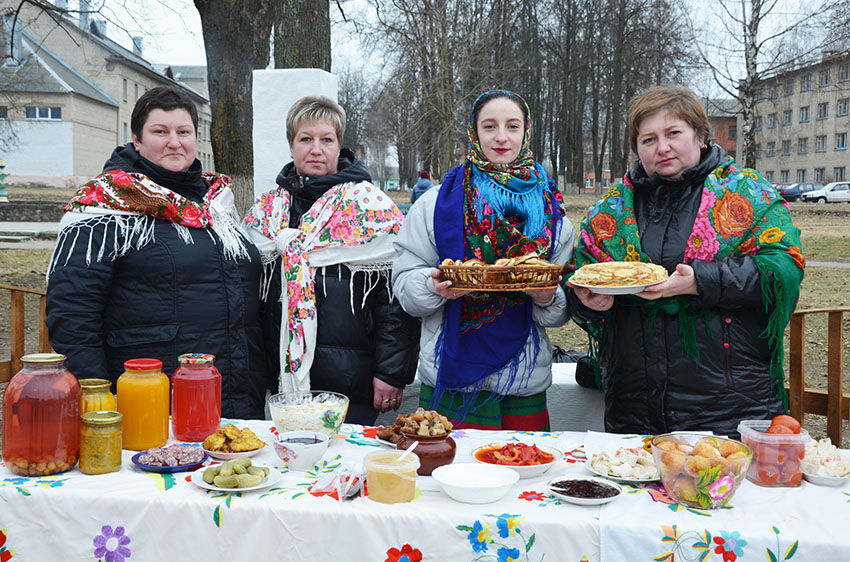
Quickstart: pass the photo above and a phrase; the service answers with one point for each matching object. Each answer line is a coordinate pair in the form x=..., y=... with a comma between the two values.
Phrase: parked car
x=794, y=191
x=783, y=188
x=835, y=192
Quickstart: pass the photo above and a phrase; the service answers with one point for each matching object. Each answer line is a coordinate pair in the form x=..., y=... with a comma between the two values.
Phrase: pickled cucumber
x=226, y=469
x=250, y=480
x=231, y=481
x=210, y=473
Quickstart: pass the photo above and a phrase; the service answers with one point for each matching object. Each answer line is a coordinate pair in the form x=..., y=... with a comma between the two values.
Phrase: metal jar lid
x=43, y=358
x=196, y=358
x=143, y=364
x=94, y=384
x=102, y=417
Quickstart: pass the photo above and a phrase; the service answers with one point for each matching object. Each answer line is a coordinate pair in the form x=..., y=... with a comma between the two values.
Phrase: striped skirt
x=521, y=413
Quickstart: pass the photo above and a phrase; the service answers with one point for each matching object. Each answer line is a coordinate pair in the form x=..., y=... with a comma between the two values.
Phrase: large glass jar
x=100, y=442
x=143, y=396
x=195, y=397
x=41, y=417
x=96, y=395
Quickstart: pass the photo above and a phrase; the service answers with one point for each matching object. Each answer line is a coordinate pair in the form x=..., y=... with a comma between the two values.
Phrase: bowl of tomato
x=527, y=460
x=779, y=446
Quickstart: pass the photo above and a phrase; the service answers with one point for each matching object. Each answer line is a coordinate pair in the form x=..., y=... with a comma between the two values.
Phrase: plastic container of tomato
x=777, y=458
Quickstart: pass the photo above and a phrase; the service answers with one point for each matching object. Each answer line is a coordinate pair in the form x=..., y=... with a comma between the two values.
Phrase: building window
x=840, y=141
x=806, y=83
x=842, y=106
x=759, y=95
x=803, y=145
x=804, y=114
x=774, y=92
x=823, y=110
x=789, y=88
x=786, y=147
x=126, y=140
x=769, y=176
x=801, y=176
x=823, y=78
x=135, y=92
x=125, y=90
x=733, y=132
x=838, y=174
x=786, y=117
x=771, y=121
x=819, y=174
x=820, y=143
x=758, y=123
x=758, y=150
x=33, y=112
x=771, y=149
x=4, y=112
x=784, y=176
x=844, y=73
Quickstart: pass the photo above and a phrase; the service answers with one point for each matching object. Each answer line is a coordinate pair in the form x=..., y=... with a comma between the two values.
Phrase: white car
x=835, y=192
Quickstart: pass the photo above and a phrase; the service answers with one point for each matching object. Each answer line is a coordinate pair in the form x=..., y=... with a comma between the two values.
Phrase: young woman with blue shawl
x=485, y=360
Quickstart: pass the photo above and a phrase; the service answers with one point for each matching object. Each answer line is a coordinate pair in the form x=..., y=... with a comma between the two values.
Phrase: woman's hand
x=386, y=396
x=543, y=297
x=593, y=301
x=682, y=282
x=441, y=286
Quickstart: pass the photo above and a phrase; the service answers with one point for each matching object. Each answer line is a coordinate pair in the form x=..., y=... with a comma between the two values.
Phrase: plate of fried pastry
x=518, y=273
x=618, y=277
x=230, y=442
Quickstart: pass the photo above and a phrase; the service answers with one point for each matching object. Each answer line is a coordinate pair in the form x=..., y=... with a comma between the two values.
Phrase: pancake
x=619, y=274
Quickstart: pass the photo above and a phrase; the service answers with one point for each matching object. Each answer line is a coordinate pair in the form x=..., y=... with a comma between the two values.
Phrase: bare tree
x=302, y=34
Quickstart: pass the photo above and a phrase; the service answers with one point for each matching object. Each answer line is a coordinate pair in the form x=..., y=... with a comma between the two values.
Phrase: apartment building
x=722, y=114
x=802, y=123
x=67, y=92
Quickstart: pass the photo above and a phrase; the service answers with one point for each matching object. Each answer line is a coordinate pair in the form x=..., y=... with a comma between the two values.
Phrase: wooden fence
x=17, y=324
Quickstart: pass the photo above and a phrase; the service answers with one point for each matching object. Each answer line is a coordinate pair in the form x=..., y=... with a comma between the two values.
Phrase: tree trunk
x=302, y=34
x=236, y=41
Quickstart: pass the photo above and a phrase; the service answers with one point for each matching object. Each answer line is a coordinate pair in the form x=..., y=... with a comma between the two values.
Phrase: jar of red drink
x=195, y=397
x=41, y=417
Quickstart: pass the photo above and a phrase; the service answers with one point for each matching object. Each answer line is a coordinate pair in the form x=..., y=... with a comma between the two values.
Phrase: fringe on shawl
x=520, y=366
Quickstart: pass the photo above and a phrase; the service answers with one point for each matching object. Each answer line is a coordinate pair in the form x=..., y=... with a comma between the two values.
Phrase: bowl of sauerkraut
x=313, y=410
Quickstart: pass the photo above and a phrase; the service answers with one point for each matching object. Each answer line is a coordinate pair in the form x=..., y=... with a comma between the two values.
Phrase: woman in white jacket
x=485, y=359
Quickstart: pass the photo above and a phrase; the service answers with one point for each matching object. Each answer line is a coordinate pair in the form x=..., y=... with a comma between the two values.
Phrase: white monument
x=274, y=92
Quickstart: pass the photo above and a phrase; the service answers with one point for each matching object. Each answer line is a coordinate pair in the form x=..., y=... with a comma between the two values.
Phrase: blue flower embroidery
x=111, y=545
x=507, y=524
x=479, y=537
x=508, y=554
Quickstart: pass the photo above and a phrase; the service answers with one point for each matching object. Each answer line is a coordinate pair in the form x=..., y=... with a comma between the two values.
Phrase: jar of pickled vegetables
x=41, y=417
x=100, y=442
x=143, y=398
x=97, y=395
x=195, y=397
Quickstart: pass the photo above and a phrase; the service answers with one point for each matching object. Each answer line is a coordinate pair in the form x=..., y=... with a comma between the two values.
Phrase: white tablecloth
x=75, y=517
x=571, y=407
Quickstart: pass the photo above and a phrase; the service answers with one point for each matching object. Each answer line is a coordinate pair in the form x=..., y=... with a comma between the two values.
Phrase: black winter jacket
x=161, y=300
x=651, y=385
x=378, y=340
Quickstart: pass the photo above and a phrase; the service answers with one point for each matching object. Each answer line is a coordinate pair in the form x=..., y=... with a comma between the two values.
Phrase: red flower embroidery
x=120, y=178
x=170, y=211
x=191, y=213
x=532, y=496
x=406, y=554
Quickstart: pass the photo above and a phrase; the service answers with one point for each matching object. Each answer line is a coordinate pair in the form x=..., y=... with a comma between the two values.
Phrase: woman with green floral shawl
x=703, y=349
x=485, y=360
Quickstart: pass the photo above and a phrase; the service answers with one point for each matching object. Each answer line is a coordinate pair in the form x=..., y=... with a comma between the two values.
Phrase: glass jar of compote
x=41, y=417
x=96, y=395
x=195, y=397
x=100, y=442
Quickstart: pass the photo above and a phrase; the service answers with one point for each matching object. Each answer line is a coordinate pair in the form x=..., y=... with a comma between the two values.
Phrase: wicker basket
x=499, y=278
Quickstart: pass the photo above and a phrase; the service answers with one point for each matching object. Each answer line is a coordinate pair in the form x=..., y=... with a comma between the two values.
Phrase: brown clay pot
x=433, y=451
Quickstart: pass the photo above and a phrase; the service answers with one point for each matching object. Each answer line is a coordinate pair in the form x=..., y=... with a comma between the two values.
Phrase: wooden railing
x=833, y=403
x=17, y=322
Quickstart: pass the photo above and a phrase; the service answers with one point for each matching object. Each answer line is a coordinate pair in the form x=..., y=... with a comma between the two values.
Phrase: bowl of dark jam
x=584, y=490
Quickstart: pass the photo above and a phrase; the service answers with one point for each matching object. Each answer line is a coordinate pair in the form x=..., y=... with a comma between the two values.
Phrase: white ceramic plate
x=624, y=290
x=584, y=501
x=821, y=480
x=228, y=456
x=530, y=471
x=271, y=479
x=621, y=480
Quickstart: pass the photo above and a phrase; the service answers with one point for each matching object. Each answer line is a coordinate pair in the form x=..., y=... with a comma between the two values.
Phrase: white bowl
x=300, y=450
x=475, y=482
x=529, y=471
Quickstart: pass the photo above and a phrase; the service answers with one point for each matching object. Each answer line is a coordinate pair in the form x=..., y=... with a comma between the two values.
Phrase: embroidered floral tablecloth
x=133, y=515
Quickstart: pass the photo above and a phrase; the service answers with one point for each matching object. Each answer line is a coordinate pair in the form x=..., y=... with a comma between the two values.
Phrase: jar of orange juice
x=143, y=400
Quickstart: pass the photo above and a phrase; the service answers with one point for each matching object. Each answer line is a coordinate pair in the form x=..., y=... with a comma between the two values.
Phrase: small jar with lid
x=100, y=442
x=41, y=417
x=143, y=400
x=195, y=397
x=97, y=395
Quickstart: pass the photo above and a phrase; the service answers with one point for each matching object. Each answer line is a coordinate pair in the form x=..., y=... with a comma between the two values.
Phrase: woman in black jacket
x=326, y=237
x=701, y=350
x=151, y=261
